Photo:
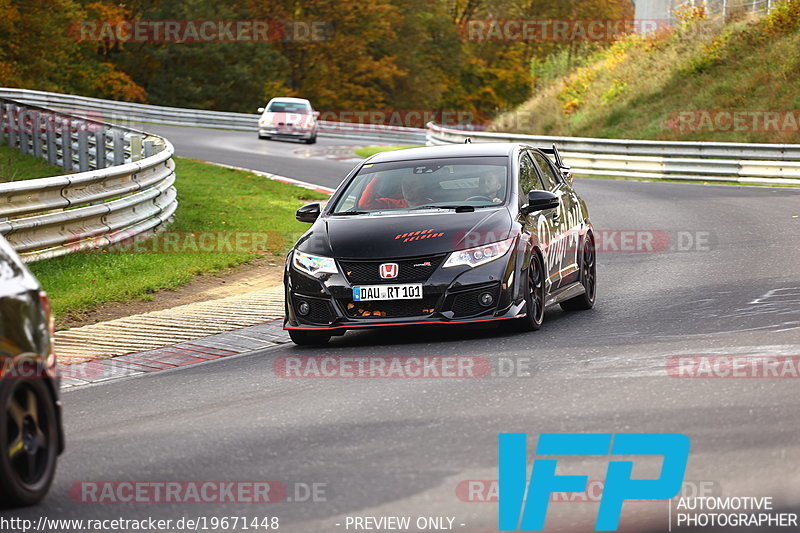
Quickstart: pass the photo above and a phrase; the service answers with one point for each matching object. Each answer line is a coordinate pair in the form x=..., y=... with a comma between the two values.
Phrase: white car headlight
x=480, y=254
x=313, y=264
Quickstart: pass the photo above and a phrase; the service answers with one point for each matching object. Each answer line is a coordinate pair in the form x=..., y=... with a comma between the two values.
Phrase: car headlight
x=480, y=254
x=313, y=264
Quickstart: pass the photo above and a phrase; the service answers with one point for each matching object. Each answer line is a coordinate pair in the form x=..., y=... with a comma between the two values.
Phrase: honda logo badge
x=389, y=270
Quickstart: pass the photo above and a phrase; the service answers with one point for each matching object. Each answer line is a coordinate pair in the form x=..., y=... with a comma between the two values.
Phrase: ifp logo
x=526, y=512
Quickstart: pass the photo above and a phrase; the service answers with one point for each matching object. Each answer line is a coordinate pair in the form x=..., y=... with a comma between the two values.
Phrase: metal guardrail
x=123, y=185
x=706, y=161
x=128, y=113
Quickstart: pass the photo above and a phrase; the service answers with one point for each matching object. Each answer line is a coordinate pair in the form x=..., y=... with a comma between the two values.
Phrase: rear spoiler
x=565, y=170
x=556, y=156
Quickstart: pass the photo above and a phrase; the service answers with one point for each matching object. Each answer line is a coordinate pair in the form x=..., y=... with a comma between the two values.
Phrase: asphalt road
x=288, y=158
x=401, y=447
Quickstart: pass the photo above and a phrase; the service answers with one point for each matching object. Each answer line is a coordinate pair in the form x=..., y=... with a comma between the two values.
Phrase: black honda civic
x=442, y=235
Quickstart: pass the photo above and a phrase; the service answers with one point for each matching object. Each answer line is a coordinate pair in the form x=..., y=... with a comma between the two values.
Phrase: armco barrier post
x=22, y=133
x=149, y=148
x=13, y=125
x=66, y=145
x=119, y=146
x=83, y=148
x=15, y=128
x=3, y=121
x=50, y=131
x=136, y=147
x=100, y=148
x=36, y=133
x=10, y=127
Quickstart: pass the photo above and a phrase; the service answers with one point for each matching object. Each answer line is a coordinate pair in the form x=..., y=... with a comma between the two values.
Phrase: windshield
x=289, y=107
x=429, y=183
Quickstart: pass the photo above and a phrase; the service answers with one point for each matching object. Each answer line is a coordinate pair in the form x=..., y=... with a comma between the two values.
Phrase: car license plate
x=388, y=292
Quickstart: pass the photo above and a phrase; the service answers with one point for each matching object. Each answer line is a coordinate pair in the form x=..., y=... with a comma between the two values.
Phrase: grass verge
x=216, y=204
x=15, y=166
x=367, y=151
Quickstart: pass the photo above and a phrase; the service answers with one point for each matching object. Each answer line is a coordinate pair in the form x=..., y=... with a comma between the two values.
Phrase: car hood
x=405, y=235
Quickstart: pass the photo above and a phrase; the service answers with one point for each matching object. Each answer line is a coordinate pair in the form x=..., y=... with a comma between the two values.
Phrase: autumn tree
x=39, y=50
x=382, y=54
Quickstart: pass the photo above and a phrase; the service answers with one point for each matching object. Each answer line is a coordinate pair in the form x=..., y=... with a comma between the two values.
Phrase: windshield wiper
x=456, y=208
x=351, y=212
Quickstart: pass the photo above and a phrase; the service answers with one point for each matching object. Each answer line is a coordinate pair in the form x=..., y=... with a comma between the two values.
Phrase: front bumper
x=450, y=296
x=272, y=131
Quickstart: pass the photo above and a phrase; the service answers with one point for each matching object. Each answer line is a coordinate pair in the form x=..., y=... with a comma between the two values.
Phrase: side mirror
x=260, y=109
x=540, y=201
x=316, y=114
x=308, y=213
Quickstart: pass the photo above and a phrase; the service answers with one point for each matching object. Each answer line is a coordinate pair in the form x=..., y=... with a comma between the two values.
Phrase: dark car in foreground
x=31, y=434
x=442, y=235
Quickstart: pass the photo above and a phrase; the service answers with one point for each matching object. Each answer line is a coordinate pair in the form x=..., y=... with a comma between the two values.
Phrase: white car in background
x=291, y=118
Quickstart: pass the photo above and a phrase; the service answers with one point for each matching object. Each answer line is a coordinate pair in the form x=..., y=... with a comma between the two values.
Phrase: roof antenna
x=468, y=140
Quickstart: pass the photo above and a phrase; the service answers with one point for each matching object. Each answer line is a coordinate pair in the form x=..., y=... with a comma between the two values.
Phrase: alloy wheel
x=29, y=435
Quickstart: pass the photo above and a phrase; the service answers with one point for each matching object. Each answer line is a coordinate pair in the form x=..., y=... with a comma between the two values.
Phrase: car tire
x=308, y=338
x=534, y=297
x=588, y=278
x=27, y=423
x=312, y=140
x=264, y=137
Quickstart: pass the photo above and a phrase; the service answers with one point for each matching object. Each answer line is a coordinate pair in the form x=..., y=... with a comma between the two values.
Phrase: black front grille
x=390, y=308
x=467, y=303
x=321, y=312
x=410, y=270
x=307, y=285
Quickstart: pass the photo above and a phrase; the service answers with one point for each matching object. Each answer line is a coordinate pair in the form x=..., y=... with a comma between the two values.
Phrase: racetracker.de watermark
x=200, y=492
x=171, y=242
x=605, y=240
x=486, y=491
x=557, y=30
x=368, y=119
x=212, y=492
x=21, y=120
x=734, y=366
x=406, y=367
x=199, y=31
x=382, y=367
x=738, y=121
